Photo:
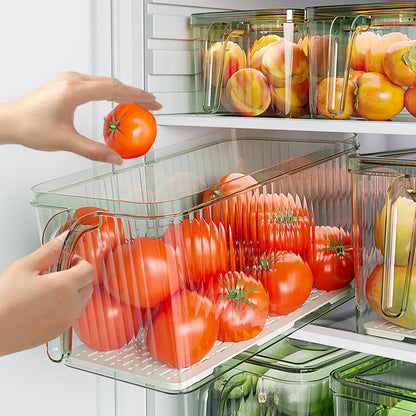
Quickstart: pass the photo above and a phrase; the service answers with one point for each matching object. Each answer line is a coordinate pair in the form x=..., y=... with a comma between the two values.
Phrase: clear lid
x=275, y=16
x=376, y=380
x=402, y=12
x=300, y=357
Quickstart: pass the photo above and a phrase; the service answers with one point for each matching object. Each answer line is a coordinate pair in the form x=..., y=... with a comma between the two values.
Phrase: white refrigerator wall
x=39, y=40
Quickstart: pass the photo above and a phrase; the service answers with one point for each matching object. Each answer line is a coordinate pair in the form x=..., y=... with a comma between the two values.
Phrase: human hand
x=44, y=119
x=36, y=307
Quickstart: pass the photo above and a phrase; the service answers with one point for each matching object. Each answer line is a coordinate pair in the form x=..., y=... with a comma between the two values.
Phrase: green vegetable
x=403, y=408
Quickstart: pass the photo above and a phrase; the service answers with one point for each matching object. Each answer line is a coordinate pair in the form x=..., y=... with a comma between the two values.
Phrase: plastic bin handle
x=332, y=69
x=387, y=289
x=212, y=93
x=88, y=222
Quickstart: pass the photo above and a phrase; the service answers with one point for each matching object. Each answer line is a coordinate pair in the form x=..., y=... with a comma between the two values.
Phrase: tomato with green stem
x=331, y=257
x=130, y=130
x=241, y=304
x=184, y=330
x=287, y=278
x=279, y=222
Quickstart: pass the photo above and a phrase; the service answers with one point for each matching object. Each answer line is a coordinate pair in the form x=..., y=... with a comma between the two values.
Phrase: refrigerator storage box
x=161, y=253
x=252, y=62
x=374, y=386
x=384, y=238
x=290, y=378
x=361, y=60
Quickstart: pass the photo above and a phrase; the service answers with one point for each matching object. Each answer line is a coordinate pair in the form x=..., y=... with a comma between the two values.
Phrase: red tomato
x=229, y=184
x=280, y=223
x=287, y=279
x=94, y=245
x=184, y=330
x=201, y=248
x=130, y=130
x=331, y=257
x=143, y=272
x=107, y=324
x=242, y=304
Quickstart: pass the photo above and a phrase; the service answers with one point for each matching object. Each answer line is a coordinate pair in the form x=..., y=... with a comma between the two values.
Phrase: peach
x=255, y=53
x=293, y=101
x=410, y=100
x=374, y=56
x=360, y=46
x=285, y=62
x=400, y=63
x=353, y=76
x=234, y=59
x=248, y=92
x=321, y=97
x=303, y=43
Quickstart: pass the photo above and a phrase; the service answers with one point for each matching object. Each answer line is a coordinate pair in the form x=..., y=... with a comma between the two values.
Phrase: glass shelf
x=291, y=124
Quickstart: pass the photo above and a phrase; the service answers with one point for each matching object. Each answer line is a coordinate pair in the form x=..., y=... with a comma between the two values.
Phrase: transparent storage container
x=291, y=378
x=252, y=62
x=163, y=255
x=374, y=386
x=384, y=238
x=362, y=61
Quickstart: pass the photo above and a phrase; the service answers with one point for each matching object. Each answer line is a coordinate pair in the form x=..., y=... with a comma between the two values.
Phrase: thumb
x=47, y=255
x=93, y=150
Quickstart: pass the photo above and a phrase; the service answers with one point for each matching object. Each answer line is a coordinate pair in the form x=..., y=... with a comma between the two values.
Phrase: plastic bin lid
x=391, y=9
x=276, y=16
x=388, y=162
x=301, y=357
x=377, y=380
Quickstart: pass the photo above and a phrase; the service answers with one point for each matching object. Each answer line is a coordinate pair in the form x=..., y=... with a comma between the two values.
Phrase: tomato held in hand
x=130, y=130
x=241, y=304
x=184, y=329
x=287, y=279
x=107, y=324
x=331, y=257
x=143, y=272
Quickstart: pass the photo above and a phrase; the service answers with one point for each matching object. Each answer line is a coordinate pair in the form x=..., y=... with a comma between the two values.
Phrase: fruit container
x=374, y=386
x=362, y=61
x=290, y=378
x=252, y=62
x=384, y=242
x=181, y=240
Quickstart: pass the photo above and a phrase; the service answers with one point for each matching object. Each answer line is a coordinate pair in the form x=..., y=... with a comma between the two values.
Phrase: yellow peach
x=285, y=62
x=248, y=92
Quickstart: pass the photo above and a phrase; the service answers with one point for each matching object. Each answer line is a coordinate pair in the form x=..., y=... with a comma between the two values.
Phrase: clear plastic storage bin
x=374, y=386
x=252, y=62
x=184, y=263
x=362, y=61
x=291, y=378
x=384, y=238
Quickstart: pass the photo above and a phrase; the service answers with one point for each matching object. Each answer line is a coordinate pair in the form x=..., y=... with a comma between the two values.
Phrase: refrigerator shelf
x=134, y=364
x=382, y=328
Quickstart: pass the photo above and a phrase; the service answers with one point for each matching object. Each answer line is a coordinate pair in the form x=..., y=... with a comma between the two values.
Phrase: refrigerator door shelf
x=134, y=364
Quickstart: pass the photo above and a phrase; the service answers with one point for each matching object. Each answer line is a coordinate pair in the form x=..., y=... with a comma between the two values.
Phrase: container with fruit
x=252, y=63
x=362, y=61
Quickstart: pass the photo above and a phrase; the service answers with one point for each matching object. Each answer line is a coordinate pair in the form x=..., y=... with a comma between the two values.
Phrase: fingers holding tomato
x=130, y=130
